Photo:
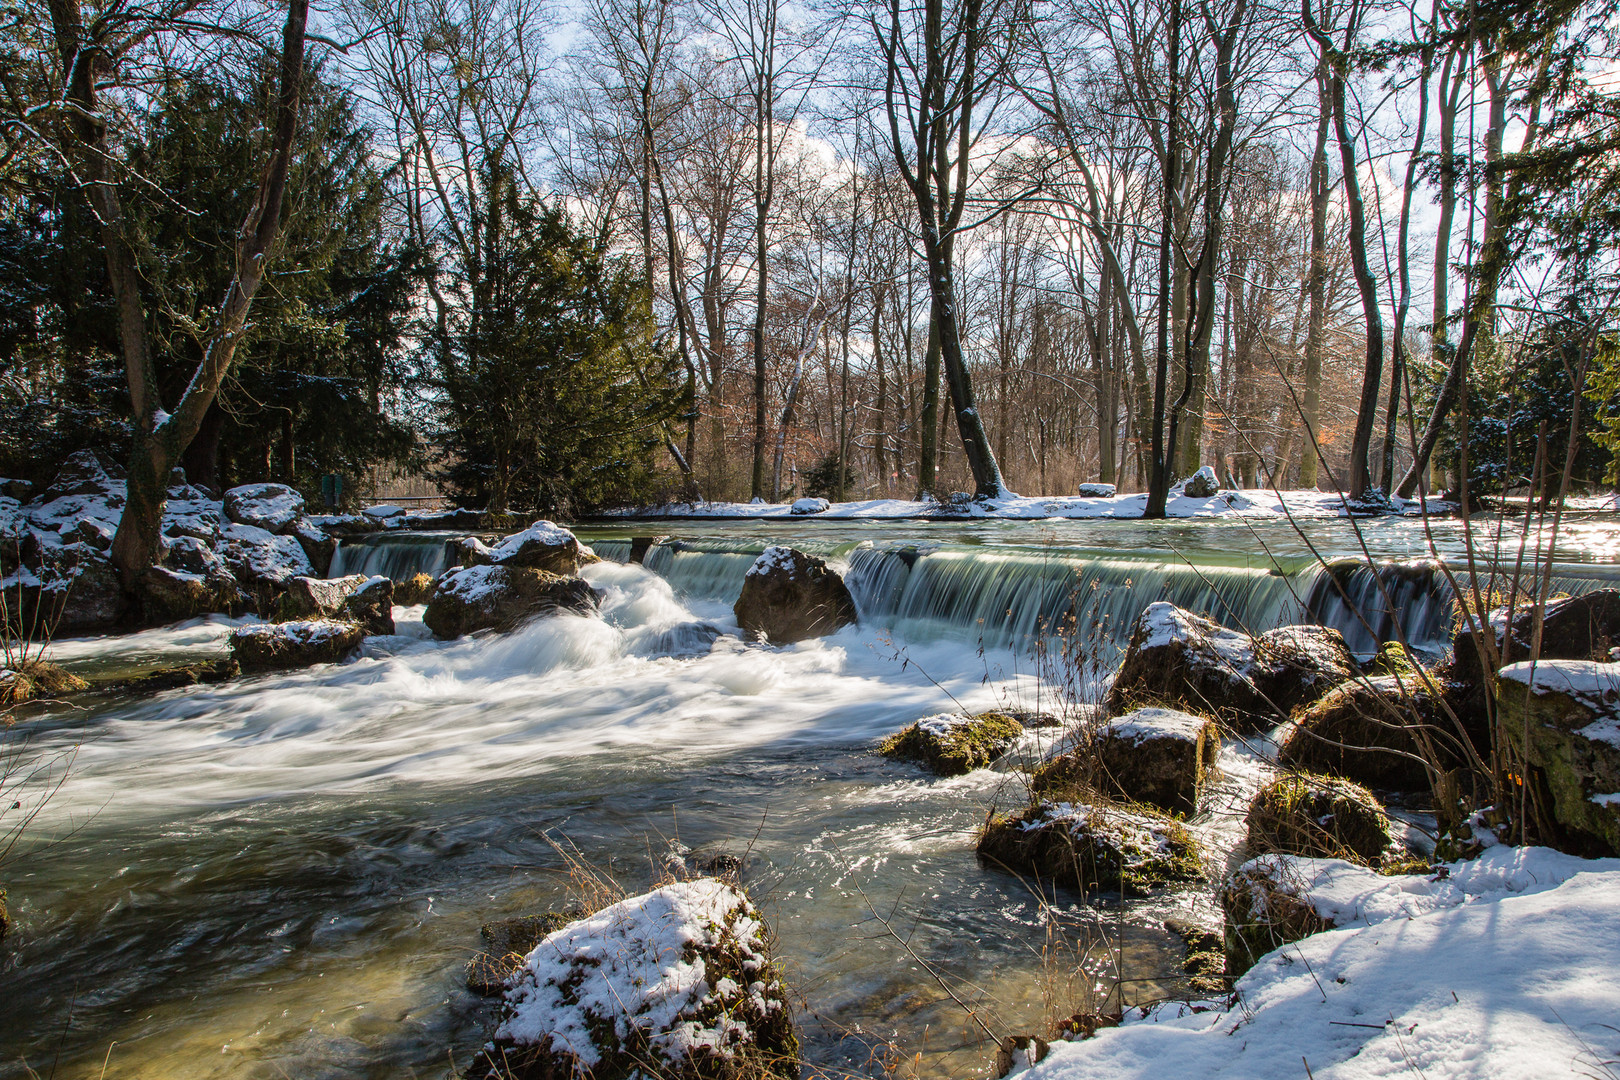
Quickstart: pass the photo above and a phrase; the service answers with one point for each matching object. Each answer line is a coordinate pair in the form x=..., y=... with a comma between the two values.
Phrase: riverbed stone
x=502, y=598
x=271, y=507
x=179, y=676
x=1184, y=661
x=951, y=744
x=372, y=605
x=173, y=595
x=1097, y=846
x=316, y=597
x=811, y=505
x=1318, y=816
x=1162, y=757
x=790, y=596
x=679, y=982
x=1364, y=730
x=1265, y=906
x=269, y=646
x=37, y=680
x=1564, y=718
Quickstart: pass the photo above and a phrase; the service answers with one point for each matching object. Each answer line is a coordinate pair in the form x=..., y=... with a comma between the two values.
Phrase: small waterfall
x=612, y=550
x=400, y=556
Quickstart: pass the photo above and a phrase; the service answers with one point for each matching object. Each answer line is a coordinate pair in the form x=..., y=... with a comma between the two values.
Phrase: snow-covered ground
x=1502, y=968
x=1246, y=503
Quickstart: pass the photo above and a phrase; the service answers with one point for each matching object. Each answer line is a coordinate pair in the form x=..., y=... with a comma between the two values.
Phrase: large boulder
x=679, y=982
x=319, y=545
x=1367, y=730
x=372, y=605
x=269, y=646
x=1183, y=661
x=813, y=505
x=502, y=598
x=70, y=589
x=1563, y=716
x=271, y=507
x=83, y=473
x=542, y=546
x=316, y=598
x=1092, y=847
x=954, y=743
x=1202, y=484
x=1161, y=757
x=262, y=560
x=789, y=596
x=1581, y=627
x=172, y=595
x=1319, y=816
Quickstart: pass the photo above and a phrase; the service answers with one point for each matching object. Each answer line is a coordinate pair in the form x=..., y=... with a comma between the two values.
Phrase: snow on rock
x=809, y=506
x=951, y=744
x=1185, y=661
x=272, y=507
x=1505, y=968
x=256, y=556
x=1202, y=484
x=1092, y=846
x=678, y=981
x=497, y=597
x=1162, y=757
x=266, y=646
x=542, y=546
x=789, y=596
x=1096, y=491
x=384, y=512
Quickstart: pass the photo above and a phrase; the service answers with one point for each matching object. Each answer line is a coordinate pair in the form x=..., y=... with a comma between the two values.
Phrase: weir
x=1001, y=595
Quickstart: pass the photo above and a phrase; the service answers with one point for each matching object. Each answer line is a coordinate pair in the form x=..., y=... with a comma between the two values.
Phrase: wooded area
x=563, y=257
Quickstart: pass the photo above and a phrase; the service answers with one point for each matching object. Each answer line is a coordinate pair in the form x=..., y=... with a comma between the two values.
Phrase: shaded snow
x=772, y=558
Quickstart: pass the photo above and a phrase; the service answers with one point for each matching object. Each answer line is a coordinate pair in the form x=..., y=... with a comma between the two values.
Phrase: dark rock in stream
x=1320, y=817
x=269, y=646
x=954, y=743
x=1097, y=846
x=506, y=943
x=789, y=596
x=502, y=598
x=204, y=673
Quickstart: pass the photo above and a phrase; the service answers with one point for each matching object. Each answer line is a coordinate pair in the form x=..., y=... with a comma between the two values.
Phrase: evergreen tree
x=554, y=393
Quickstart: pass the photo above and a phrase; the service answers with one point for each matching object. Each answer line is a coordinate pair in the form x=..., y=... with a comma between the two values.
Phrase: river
x=283, y=876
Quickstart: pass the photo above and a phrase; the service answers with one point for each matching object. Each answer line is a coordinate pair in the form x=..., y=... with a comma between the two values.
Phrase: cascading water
x=396, y=555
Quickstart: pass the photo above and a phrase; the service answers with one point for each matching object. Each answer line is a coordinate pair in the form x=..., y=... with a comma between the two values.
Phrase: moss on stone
x=952, y=745
x=1262, y=912
x=1392, y=659
x=36, y=680
x=1128, y=847
x=506, y=943
x=1318, y=816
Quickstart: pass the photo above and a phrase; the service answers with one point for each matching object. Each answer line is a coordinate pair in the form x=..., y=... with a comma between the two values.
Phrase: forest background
x=564, y=257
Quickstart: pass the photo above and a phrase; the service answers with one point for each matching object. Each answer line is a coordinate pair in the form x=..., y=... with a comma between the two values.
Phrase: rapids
x=283, y=876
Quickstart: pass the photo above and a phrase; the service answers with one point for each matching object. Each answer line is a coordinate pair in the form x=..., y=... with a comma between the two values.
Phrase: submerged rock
x=1161, y=757
x=271, y=507
x=1564, y=718
x=1098, y=846
x=1364, y=730
x=493, y=597
x=677, y=983
x=1184, y=661
x=269, y=646
x=205, y=673
x=789, y=596
x=953, y=743
x=1318, y=816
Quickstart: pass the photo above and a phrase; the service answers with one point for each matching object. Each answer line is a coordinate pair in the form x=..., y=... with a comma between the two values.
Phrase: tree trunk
x=1316, y=286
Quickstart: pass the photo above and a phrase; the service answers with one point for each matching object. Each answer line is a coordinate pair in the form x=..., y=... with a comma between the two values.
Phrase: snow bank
x=1255, y=503
x=1504, y=968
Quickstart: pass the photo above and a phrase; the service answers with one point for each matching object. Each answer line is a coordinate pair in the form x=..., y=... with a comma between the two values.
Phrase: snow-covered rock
x=1184, y=661
x=1564, y=717
x=168, y=595
x=809, y=506
x=1096, y=491
x=1162, y=757
x=267, y=646
x=1202, y=484
x=542, y=546
x=366, y=601
x=319, y=545
x=271, y=507
x=789, y=596
x=494, y=597
x=954, y=743
x=677, y=982
x=1583, y=627
x=384, y=512
x=258, y=557
x=1319, y=816
x=1092, y=847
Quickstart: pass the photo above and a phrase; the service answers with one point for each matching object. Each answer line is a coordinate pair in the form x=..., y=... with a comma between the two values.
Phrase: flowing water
x=283, y=876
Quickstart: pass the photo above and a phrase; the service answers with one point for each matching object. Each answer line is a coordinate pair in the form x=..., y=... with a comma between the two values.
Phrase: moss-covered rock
x=36, y=680
x=951, y=744
x=207, y=672
x=1319, y=816
x=678, y=983
x=1205, y=961
x=5, y=916
x=506, y=943
x=417, y=589
x=1394, y=659
x=1564, y=718
x=1265, y=908
x=1365, y=730
x=269, y=646
x=1132, y=849
x=789, y=596
x=1183, y=661
x=1162, y=757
